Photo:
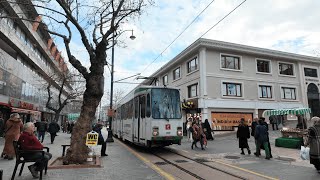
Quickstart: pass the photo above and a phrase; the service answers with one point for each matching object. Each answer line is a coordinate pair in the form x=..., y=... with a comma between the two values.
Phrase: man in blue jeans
x=42, y=127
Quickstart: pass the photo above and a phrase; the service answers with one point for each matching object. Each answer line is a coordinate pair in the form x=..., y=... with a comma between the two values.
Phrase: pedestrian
x=207, y=129
x=104, y=133
x=261, y=135
x=267, y=126
x=42, y=128
x=1, y=125
x=71, y=127
x=314, y=143
x=189, y=125
x=101, y=139
x=197, y=135
x=12, y=132
x=273, y=121
x=253, y=128
x=243, y=134
x=28, y=141
x=53, y=129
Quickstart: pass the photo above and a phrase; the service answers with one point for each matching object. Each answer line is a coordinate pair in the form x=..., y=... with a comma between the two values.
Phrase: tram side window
x=136, y=107
x=130, y=109
x=148, y=110
x=122, y=112
x=143, y=106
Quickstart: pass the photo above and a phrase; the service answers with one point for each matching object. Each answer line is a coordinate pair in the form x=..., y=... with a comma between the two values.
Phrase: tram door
x=136, y=120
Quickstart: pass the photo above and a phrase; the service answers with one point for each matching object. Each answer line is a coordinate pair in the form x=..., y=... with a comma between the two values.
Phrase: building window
x=310, y=72
x=263, y=66
x=286, y=69
x=230, y=62
x=231, y=89
x=193, y=91
x=192, y=65
x=265, y=91
x=288, y=93
x=176, y=73
x=165, y=80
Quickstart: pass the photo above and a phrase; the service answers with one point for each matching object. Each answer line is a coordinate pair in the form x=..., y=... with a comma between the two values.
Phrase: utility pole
x=110, y=112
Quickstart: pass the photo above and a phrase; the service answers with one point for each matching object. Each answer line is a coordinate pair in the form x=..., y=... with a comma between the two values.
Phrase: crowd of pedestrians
x=198, y=131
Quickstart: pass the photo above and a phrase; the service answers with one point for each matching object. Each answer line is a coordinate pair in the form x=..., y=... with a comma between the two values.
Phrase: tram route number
x=92, y=139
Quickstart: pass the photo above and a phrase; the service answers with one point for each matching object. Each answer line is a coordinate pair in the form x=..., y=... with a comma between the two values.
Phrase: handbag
x=304, y=153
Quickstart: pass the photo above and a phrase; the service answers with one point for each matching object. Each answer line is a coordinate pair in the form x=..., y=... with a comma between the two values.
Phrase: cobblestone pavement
x=285, y=164
x=120, y=164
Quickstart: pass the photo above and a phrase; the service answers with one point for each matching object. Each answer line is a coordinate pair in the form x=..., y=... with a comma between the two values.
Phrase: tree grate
x=181, y=161
x=161, y=163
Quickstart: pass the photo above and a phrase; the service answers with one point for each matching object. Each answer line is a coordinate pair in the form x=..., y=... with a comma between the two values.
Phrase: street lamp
x=111, y=112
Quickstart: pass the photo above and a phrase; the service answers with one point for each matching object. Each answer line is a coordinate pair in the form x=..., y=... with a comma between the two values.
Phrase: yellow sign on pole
x=92, y=139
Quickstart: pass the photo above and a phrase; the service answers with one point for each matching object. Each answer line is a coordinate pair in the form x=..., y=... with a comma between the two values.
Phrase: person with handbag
x=314, y=142
x=12, y=131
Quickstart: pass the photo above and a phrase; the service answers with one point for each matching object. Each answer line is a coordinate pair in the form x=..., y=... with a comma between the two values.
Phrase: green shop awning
x=73, y=116
x=294, y=111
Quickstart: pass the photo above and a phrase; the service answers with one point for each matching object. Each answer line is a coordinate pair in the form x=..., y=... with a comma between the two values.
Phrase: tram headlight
x=155, y=131
x=179, y=131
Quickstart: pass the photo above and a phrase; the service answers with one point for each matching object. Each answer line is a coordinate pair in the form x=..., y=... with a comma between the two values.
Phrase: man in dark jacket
x=267, y=126
x=42, y=128
x=261, y=135
x=53, y=129
x=28, y=141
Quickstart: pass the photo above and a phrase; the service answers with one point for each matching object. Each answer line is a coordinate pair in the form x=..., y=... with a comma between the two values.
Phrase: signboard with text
x=92, y=139
x=226, y=121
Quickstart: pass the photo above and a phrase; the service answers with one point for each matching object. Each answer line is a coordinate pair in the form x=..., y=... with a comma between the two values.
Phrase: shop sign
x=20, y=104
x=92, y=139
x=230, y=119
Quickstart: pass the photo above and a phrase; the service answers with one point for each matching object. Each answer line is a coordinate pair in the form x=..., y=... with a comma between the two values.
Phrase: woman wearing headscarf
x=13, y=128
x=314, y=143
x=207, y=130
x=243, y=134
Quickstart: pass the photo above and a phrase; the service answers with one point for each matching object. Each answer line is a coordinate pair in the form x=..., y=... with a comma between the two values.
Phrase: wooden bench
x=64, y=146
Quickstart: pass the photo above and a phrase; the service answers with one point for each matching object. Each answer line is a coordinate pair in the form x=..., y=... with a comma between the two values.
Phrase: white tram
x=149, y=116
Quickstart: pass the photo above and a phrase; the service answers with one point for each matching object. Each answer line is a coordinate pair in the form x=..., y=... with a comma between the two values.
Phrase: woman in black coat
x=243, y=134
x=207, y=129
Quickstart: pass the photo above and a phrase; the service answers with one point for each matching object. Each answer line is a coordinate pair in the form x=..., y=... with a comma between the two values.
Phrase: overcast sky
x=285, y=25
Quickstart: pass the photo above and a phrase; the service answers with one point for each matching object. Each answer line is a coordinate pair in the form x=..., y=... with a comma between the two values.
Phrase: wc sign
x=92, y=139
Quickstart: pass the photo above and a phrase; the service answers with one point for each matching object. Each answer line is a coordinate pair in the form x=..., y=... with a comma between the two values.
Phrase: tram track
x=199, y=165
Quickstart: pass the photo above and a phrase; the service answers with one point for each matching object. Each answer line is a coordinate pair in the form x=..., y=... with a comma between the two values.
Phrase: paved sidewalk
x=120, y=164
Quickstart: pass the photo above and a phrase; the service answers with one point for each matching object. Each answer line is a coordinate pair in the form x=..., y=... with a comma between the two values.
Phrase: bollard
x=1, y=173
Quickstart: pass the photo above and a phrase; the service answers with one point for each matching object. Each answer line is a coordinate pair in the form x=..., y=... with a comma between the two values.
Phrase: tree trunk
x=78, y=151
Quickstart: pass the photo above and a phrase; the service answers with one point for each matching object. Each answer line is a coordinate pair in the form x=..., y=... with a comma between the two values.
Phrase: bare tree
x=94, y=24
x=118, y=94
x=73, y=81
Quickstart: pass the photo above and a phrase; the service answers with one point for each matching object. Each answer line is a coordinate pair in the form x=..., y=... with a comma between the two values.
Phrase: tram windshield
x=165, y=104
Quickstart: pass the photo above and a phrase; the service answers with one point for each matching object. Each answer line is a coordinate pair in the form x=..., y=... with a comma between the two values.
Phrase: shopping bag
x=304, y=153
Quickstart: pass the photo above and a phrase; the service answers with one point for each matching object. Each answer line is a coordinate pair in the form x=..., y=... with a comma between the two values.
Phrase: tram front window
x=165, y=104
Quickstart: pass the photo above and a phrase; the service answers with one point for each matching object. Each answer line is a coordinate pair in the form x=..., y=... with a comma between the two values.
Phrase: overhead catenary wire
x=224, y=17
x=179, y=35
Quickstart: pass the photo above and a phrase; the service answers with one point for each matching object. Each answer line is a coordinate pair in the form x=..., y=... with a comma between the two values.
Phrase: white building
x=227, y=81
x=28, y=59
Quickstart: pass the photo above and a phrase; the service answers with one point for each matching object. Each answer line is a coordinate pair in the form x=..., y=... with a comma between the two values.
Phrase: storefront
x=28, y=111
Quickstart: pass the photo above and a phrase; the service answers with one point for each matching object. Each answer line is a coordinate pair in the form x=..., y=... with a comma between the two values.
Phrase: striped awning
x=294, y=111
